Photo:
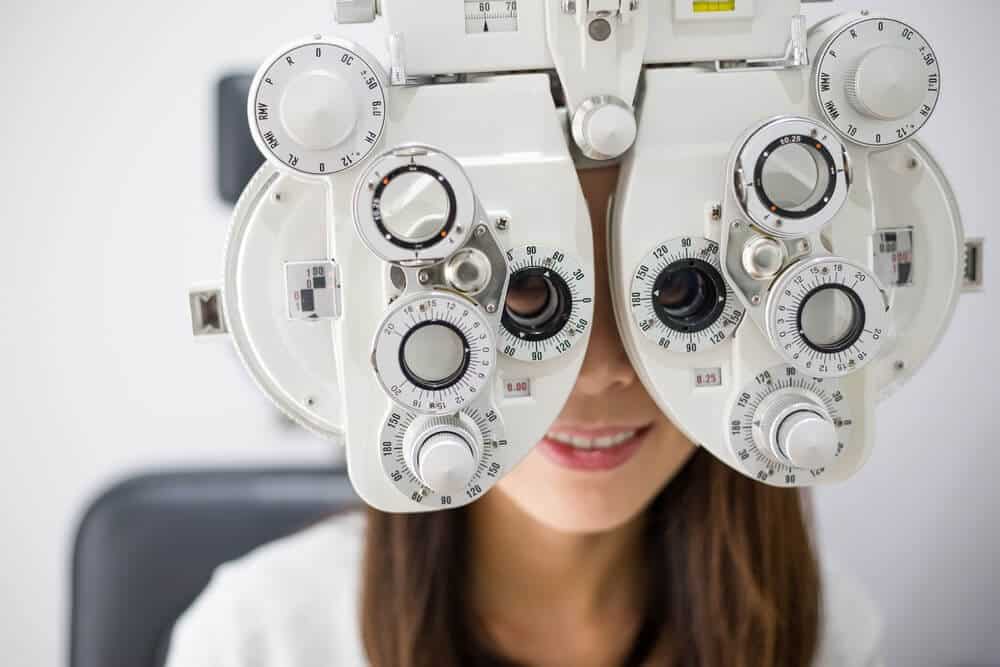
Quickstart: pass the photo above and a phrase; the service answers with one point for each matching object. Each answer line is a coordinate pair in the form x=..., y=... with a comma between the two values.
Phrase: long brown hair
x=734, y=579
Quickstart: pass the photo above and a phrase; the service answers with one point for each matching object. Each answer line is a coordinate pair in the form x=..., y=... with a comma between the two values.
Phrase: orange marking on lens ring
x=385, y=181
x=773, y=209
x=819, y=146
x=444, y=234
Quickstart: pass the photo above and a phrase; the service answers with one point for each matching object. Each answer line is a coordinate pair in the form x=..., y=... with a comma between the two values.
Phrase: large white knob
x=888, y=83
x=604, y=127
x=318, y=107
x=795, y=428
x=442, y=452
x=806, y=439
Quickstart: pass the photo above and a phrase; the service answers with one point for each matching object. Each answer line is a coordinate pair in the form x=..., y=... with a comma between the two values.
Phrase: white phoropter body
x=412, y=271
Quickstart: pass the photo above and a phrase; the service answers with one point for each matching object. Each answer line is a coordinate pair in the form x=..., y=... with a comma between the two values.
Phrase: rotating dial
x=434, y=352
x=877, y=81
x=549, y=306
x=791, y=176
x=786, y=429
x=318, y=108
x=443, y=461
x=414, y=203
x=827, y=316
x=679, y=298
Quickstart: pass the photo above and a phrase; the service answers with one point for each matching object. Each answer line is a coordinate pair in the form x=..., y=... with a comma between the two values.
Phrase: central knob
x=443, y=453
x=317, y=110
x=794, y=428
x=604, y=128
x=889, y=83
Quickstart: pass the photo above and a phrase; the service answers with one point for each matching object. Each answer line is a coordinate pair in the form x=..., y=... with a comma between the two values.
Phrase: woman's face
x=611, y=450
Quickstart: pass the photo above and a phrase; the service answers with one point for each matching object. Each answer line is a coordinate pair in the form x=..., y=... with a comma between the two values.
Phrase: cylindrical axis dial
x=434, y=352
x=827, y=316
x=679, y=298
x=786, y=428
x=427, y=458
x=877, y=81
x=549, y=306
x=318, y=108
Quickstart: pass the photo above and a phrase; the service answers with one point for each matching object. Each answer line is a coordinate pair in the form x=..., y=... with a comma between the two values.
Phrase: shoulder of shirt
x=295, y=595
x=850, y=623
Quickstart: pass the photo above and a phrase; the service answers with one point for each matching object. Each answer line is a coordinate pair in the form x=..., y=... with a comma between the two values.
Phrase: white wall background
x=106, y=126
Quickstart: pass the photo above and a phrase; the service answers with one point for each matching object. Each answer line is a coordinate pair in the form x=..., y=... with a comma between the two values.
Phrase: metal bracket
x=796, y=53
x=207, y=316
x=972, y=266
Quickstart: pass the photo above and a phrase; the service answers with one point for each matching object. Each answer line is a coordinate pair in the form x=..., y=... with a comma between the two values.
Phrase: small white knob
x=443, y=452
x=354, y=11
x=318, y=110
x=888, y=83
x=604, y=128
x=807, y=440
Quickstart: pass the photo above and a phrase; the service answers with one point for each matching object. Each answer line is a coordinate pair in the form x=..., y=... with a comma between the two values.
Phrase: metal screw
x=755, y=299
x=716, y=212
x=310, y=401
x=569, y=6
x=491, y=308
x=278, y=197
x=814, y=133
x=864, y=12
x=804, y=246
x=913, y=163
x=778, y=223
x=502, y=223
x=599, y=29
x=459, y=229
x=480, y=230
x=899, y=365
x=423, y=277
x=736, y=226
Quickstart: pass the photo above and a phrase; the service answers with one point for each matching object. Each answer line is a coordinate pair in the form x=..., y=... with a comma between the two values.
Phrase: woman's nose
x=606, y=366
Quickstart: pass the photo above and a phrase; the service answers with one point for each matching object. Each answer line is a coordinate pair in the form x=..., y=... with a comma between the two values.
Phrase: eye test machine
x=411, y=272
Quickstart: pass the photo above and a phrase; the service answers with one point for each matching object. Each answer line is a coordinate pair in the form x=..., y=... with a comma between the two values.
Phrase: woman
x=647, y=552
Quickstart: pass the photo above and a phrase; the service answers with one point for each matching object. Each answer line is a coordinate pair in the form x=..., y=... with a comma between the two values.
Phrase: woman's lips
x=596, y=459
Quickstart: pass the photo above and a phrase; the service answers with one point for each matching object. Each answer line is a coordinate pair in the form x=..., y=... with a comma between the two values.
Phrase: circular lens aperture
x=795, y=176
x=689, y=295
x=434, y=355
x=414, y=207
x=832, y=318
x=538, y=304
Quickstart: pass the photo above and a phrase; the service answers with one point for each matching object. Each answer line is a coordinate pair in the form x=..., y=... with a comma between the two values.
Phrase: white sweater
x=294, y=603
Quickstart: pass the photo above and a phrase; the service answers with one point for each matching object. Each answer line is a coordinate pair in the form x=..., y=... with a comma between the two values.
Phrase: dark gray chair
x=147, y=546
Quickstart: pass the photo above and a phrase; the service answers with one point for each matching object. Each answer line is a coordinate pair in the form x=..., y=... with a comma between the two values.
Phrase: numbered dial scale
x=877, y=81
x=400, y=462
x=434, y=352
x=319, y=107
x=783, y=418
x=679, y=298
x=483, y=17
x=827, y=316
x=550, y=303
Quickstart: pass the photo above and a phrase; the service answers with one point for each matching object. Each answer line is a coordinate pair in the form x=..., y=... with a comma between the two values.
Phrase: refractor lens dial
x=792, y=176
x=786, y=428
x=414, y=203
x=319, y=107
x=434, y=352
x=443, y=461
x=549, y=304
x=827, y=317
x=877, y=81
x=679, y=298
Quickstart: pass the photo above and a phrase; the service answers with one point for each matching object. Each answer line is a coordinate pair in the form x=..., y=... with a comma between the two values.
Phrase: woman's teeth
x=590, y=443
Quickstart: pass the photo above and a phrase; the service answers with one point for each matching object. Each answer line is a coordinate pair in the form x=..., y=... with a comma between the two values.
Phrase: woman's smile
x=592, y=448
